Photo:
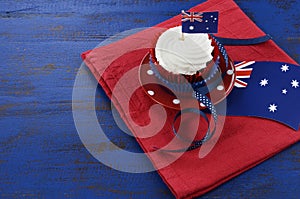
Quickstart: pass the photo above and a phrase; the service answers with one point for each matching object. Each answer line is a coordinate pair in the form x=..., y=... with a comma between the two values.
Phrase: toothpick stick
x=182, y=36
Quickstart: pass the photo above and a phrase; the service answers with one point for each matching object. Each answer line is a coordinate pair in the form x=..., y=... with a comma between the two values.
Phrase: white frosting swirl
x=180, y=56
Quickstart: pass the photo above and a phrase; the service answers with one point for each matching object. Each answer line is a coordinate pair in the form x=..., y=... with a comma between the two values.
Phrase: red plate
x=161, y=94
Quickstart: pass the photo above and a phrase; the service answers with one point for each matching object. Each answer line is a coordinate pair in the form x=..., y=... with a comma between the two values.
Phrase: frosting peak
x=180, y=56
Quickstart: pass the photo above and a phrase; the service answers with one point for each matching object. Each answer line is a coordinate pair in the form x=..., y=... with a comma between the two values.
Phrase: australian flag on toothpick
x=199, y=22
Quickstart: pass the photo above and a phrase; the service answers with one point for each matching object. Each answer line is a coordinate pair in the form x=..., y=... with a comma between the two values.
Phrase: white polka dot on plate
x=220, y=87
x=150, y=72
x=150, y=92
x=176, y=101
x=229, y=72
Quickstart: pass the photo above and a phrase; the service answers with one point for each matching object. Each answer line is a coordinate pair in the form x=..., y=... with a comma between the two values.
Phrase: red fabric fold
x=244, y=142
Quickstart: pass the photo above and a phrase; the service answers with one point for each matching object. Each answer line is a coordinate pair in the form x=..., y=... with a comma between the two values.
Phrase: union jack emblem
x=192, y=16
x=242, y=73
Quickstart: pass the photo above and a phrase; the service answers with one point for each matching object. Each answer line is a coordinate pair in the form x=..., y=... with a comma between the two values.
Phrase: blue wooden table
x=41, y=155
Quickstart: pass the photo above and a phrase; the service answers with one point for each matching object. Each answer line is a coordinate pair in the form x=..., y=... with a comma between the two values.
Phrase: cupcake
x=185, y=65
x=192, y=58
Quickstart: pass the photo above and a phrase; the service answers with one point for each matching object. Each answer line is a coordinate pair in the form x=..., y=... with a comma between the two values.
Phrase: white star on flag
x=284, y=91
x=284, y=68
x=272, y=108
x=295, y=84
x=264, y=82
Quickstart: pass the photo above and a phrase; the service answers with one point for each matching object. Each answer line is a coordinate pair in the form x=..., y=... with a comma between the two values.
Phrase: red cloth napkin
x=244, y=141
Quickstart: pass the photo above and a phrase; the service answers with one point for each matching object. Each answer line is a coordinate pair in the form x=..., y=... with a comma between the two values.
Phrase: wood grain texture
x=41, y=155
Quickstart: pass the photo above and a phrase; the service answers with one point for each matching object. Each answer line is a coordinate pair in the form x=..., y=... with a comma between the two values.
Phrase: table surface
x=41, y=155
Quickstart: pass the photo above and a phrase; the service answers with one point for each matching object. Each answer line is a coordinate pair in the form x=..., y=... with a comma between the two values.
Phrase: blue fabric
x=265, y=94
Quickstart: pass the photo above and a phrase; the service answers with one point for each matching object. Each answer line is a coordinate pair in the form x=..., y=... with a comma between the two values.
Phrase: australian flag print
x=199, y=22
x=272, y=92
